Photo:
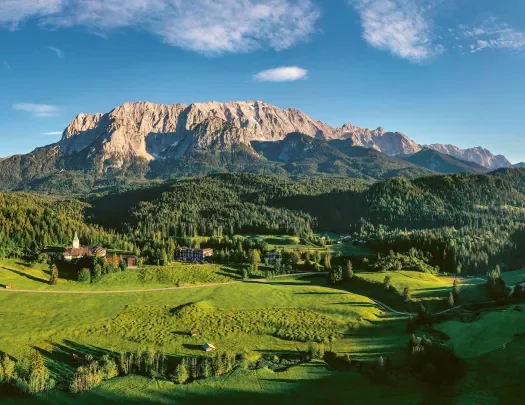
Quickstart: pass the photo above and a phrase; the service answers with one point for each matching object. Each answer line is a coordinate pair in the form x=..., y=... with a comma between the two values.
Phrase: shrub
x=181, y=374
x=84, y=275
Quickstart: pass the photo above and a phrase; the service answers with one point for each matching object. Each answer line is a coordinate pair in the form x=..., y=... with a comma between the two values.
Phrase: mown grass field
x=36, y=277
x=256, y=318
x=427, y=288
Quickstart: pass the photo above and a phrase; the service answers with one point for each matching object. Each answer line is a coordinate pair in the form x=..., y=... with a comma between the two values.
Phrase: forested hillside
x=467, y=223
x=217, y=204
x=29, y=223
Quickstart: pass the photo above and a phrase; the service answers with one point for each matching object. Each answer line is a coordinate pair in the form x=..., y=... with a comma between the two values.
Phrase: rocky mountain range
x=146, y=130
x=478, y=155
x=159, y=141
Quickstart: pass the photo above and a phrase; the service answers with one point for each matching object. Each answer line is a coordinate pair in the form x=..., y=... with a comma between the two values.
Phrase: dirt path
x=262, y=281
x=14, y=290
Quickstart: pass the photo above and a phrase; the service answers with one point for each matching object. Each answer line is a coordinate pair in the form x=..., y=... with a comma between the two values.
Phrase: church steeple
x=76, y=242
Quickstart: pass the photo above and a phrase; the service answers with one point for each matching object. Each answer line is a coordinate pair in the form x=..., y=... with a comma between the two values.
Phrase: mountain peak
x=477, y=154
x=146, y=129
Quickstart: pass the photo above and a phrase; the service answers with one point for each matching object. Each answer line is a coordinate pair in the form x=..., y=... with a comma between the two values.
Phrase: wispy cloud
x=55, y=133
x=14, y=12
x=281, y=74
x=206, y=26
x=402, y=27
x=58, y=51
x=493, y=34
x=38, y=110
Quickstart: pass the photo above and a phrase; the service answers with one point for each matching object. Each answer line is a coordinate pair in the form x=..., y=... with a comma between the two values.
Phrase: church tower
x=76, y=242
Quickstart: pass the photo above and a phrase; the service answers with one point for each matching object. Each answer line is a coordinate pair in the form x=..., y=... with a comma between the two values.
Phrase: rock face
x=155, y=131
x=479, y=155
x=390, y=143
x=150, y=130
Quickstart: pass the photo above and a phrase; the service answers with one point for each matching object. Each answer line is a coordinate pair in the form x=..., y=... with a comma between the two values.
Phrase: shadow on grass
x=193, y=347
x=319, y=293
x=25, y=275
x=63, y=358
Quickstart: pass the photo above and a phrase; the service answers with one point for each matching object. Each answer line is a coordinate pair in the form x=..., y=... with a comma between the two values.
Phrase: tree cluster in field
x=28, y=375
x=496, y=287
x=100, y=267
x=434, y=361
x=415, y=260
x=151, y=363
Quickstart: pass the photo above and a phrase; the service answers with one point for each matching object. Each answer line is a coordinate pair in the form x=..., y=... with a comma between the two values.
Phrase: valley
x=325, y=280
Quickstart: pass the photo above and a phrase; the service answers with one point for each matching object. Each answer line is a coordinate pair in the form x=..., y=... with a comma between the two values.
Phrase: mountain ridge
x=148, y=140
x=261, y=120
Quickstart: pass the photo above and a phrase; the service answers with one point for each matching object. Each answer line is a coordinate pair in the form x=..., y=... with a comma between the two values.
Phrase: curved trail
x=261, y=281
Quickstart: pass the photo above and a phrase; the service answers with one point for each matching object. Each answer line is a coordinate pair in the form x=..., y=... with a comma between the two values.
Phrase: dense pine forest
x=463, y=223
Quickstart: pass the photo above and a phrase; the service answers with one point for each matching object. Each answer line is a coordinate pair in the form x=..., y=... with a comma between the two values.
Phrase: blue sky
x=441, y=71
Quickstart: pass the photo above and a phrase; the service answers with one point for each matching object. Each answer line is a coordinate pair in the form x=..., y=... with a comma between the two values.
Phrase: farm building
x=131, y=261
x=208, y=347
x=75, y=252
x=189, y=254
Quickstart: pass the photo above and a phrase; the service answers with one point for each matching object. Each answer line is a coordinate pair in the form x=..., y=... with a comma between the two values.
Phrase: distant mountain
x=519, y=165
x=302, y=154
x=441, y=163
x=148, y=141
x=479, y=155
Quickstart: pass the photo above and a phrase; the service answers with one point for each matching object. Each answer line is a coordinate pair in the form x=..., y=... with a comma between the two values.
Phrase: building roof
x=207, y=346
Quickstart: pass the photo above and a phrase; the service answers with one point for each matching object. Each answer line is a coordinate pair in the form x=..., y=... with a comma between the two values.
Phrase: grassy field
x=257, y=318
x=513, y=277
x=294, y=242
x=22, y=277
x=425, y=286
x=428, y=288
x=495, y=356
x=306, y=384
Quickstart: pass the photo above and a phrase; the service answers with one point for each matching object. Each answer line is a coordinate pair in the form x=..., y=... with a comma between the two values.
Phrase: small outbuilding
x=9, y=286
x=208, y=347
x=194, y=333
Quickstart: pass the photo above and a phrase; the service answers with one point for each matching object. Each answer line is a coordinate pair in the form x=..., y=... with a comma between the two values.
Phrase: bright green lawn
x=428, y=286
x=490, y=332
x=36, y=319
x=23, y=277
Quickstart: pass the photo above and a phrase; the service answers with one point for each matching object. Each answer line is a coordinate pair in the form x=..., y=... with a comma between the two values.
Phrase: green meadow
x=22, y=276
x=278, y=317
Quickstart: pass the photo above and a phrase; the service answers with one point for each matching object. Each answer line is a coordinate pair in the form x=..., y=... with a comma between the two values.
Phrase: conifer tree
x=181, y=374
x=53, y=279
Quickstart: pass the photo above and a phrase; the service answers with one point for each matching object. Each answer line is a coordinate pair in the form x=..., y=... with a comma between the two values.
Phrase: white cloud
x=399, y=26
x=13, y=12
x=281, y=74
x=38, y=110
x=493, y=34
x=58, y=51
x=55, y=133
x=206, y=26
